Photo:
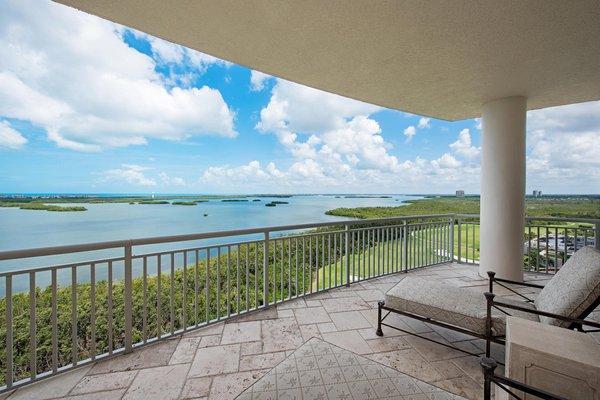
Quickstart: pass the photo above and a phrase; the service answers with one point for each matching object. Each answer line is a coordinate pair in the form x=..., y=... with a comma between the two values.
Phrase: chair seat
x=461, y=307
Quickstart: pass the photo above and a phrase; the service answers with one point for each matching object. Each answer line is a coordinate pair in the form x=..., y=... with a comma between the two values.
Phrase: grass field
x=383, y=258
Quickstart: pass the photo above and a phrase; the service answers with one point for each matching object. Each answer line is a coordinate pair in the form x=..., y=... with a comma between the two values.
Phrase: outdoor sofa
x=566, y=300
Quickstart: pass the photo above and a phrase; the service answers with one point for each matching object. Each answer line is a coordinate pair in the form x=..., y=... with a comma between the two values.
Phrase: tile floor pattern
x=318, y=370
x=222, y=360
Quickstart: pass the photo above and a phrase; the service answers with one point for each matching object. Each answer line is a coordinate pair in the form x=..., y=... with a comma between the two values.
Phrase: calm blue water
x=21, y=229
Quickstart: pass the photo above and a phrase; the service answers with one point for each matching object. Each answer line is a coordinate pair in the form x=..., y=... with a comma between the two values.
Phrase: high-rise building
x=460, y=193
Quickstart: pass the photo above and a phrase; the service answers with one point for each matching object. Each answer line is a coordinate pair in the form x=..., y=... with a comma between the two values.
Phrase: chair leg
x=489, y=297
x=379, y=332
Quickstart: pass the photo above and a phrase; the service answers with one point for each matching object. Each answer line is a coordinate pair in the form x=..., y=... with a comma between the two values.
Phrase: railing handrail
x=558, y=219
x=84, y=247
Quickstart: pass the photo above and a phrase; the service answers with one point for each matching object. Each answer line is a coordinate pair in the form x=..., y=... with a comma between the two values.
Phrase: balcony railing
x=112, y=297
x=547, y=242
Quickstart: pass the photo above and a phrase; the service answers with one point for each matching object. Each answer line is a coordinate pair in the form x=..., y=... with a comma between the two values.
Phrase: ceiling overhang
x=443, y=59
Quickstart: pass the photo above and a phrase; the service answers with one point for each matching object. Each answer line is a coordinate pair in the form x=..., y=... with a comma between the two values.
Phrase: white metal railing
x=64, y=315
x=58, y=316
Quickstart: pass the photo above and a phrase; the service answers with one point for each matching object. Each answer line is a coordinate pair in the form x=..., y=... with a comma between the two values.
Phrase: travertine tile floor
x=222, y=360
x=318, y=370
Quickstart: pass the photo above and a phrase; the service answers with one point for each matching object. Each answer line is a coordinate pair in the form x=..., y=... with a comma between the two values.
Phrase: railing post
x=347, y=240
x=266, y=268
x=459, y=240
x=488, y=365
x=452, y=239
x=405, y=244
x=128, y=299
x=596, y=235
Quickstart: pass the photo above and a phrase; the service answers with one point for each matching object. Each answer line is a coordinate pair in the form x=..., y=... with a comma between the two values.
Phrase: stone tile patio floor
x=222, y=360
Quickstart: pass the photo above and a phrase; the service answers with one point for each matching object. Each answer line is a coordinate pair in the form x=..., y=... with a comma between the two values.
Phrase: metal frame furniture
x=503, y=306
x=573, y=323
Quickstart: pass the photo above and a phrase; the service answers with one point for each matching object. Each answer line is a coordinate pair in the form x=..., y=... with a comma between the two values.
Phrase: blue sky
x=87, y=106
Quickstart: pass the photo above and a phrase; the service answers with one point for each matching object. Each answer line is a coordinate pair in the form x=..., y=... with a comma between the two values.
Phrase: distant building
x=537, y=193
x=460, y=193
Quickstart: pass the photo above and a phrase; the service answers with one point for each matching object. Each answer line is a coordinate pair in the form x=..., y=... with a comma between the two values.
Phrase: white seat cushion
x=573, y=289
x=461, y=307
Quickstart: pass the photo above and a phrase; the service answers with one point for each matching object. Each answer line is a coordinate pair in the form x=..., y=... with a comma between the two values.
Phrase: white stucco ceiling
x=438, y=58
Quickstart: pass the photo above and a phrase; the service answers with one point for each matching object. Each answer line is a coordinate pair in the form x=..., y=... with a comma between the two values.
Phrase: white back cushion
x=574, y=287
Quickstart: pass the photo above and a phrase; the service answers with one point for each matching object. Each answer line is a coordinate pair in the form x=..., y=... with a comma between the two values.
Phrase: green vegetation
x=42, y=207
x=280, y=202
x=184, y=203
x=153, y=202
x=574, y=207
x=282, y=278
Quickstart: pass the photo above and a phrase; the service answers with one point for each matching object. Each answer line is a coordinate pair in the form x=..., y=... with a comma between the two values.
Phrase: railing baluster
x=467, y=241
x=310, y=256
x=32, y=328
x=459, y=222
x=54, y=319
x=304, y=265
x=196, y=277
x=547, y=253
x=347, y=253
x=9, y=331
x=537, y=252
x=289, y=268
x=110, y=308
x=93, y=311
x=317, y=268
x=328, y=260
x=335, y=260
x=218, y=288
x=248, y=277
x=128, y=298
x=207, y=287
x=266, y=269
x=256, y=275
x=555, y=249
x=365, y=260
x=529, y=260
x=275, y=271
x=74, y=336
x=145, y=299
x=282, y=292
x=296, y=287
x=184, y=294
x=237, y=283
x=228, y=281
x=475, y=229
x=159, y=296
x=172, y=293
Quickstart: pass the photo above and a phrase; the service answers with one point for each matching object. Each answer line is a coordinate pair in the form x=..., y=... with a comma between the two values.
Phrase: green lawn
x=380, y=259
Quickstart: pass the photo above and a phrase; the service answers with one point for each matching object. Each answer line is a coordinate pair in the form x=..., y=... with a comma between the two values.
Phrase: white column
x=503, y=188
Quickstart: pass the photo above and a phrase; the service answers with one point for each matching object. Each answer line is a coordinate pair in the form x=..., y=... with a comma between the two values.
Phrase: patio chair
x=567, y=299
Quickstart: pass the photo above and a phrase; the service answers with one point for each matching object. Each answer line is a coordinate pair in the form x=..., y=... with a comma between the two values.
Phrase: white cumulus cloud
x=258, y=80
x=463, y=146
x=76, y=78
x=424, y=122
x=10, y=137
x=409, y=132
x=128, y=173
